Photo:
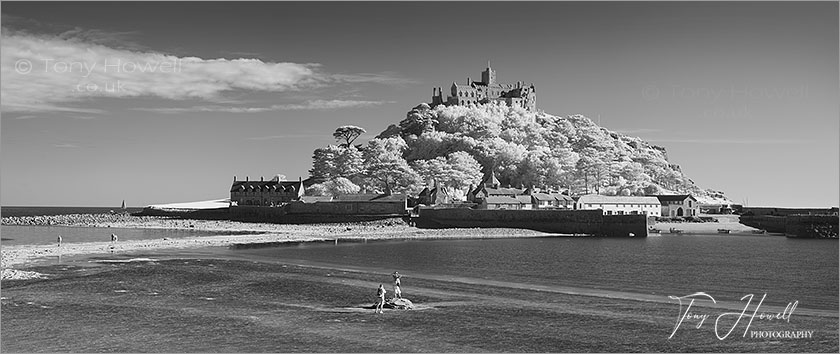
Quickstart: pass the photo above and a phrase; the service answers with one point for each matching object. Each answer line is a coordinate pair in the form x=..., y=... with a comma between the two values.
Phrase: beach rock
x=14, y=274
x=399, y=304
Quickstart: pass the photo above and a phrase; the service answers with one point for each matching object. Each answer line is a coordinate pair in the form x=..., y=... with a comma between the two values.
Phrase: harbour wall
x=799, y=226
x=773, y=211
x=292, y=213
x=811, y=226
x=582, y=222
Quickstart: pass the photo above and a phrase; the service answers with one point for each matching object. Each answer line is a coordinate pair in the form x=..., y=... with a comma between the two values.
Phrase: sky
x=166, y=102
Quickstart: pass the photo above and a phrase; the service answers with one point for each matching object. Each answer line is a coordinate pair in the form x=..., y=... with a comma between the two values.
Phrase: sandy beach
x=15, y=258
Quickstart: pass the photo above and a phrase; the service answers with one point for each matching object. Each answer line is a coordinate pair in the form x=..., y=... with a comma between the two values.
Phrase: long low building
x=620, y=205
x=265, y=193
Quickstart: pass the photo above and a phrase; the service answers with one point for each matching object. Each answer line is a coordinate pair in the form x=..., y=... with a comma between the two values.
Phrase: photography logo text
x=106, y=76
x=725, y=323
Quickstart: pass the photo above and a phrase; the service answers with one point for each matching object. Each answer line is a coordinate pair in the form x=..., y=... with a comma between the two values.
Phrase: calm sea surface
x=724, y=266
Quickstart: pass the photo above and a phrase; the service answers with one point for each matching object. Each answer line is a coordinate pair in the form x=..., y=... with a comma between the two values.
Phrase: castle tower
x=437, y=96
x=488, y=76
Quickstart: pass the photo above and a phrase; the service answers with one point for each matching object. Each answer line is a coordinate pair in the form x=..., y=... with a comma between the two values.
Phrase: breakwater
x=88, y=220
x=587, y=222
x=796, y=225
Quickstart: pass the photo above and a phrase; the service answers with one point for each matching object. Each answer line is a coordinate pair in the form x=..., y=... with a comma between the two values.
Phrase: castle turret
x=488, y=76
x=437, y=96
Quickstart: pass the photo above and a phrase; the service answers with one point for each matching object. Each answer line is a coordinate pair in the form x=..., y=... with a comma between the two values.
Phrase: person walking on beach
x=397, y=291
x=114, y=238
x=380, y=299
x=59, y=240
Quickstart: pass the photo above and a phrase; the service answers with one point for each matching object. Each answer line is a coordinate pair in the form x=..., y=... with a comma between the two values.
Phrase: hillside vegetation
x=456, y=146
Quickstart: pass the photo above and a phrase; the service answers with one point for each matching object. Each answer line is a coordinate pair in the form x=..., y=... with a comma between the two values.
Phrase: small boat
x=654, y=230
x=723, y=231
x=675, y=230
x=759, y=232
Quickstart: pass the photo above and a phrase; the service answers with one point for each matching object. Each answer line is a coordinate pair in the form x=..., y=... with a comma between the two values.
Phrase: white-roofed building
x=620, y=205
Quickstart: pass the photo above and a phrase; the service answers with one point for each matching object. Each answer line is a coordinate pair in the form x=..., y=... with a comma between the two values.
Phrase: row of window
x=258, y=203
x=473, y=94
x=260, y=190
x=621, y=212
x=624, y=205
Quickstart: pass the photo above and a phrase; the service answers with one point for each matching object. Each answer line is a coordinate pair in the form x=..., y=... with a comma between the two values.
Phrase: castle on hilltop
x=488, y=90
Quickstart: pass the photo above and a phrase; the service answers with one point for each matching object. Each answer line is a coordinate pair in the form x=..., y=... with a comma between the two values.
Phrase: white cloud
x=309, y=105
x=60, y=73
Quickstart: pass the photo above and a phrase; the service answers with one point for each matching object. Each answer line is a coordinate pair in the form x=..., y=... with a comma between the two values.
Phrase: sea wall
x=589, y=222
x=322, y=212
x=803, y=226
x=347, y=208
x=774, y=224
x=760, y=211
x=811, y=226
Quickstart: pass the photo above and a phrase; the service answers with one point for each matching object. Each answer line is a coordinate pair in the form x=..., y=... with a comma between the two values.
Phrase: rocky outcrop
x=399, y=304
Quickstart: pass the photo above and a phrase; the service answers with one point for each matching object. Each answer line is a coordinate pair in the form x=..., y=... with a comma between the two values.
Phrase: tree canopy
x=348, y=133
x=457, y=145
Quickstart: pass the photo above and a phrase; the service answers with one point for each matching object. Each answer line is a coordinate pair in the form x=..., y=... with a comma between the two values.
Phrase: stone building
x=678, y=205
x=265, y=193
x=487, y=90
x=620, y=205
x=490, y=195
x=491, y=187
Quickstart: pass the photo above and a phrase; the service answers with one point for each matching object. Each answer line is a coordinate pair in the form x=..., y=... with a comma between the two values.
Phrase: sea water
x=726, y=267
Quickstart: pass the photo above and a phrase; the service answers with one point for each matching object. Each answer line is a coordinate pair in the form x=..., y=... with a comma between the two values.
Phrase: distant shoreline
x=387, y=229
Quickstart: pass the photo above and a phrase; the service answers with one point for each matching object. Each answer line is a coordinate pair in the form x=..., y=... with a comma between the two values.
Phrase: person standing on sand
x=59, y=240
x=397, y=291
x=380, y=299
